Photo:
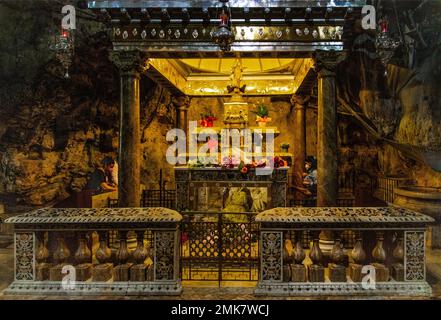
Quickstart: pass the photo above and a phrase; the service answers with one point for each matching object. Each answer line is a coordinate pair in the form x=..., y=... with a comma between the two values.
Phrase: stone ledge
x=343, y=215
x=91, y=215
x=391, y=288
x=95, y=288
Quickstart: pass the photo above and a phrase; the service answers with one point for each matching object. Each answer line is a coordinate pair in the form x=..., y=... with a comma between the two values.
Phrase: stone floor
x=205, y=290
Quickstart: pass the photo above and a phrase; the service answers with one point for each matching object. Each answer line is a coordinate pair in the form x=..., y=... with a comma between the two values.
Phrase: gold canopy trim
x=211, y=77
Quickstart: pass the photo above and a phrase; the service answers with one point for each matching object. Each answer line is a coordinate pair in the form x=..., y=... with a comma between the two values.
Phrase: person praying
x=101, y=179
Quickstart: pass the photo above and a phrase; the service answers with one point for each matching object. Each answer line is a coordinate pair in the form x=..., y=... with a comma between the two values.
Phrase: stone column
x=300, y=103
x=131, y=65
x=182, y=105
x=327, y=153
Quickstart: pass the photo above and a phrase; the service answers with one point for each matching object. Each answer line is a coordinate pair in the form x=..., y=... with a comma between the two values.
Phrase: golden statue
x=236, y=78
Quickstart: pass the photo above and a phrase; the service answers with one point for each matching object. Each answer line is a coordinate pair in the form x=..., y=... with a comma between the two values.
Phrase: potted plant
x=262, y=115
x=284, y=146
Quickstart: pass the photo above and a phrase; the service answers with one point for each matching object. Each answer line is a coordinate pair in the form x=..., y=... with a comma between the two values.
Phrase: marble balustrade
x=387, y=256
x=116, y=251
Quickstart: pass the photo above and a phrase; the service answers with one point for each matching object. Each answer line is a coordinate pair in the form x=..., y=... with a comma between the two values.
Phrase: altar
x=191, y=183
x=219, y=231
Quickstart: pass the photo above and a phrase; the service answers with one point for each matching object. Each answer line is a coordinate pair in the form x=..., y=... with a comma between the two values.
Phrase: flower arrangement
x=207, y=119
x=262, y=115
x=279, y=162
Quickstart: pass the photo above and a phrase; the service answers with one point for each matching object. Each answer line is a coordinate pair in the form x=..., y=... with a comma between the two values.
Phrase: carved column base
x=337, y=272
x=122, y=272
x=381, y=272
x=355, y=272
x=316, y=273
x=83, y=271
x=102, y=272
x=298, y=273
x=138, y=272
x=397, y=272
x=55, y=272
x=42, y=271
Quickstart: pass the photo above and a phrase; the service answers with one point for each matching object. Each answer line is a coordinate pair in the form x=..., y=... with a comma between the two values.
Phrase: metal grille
x=386, y=187
x=219, y=247
x=159, y=198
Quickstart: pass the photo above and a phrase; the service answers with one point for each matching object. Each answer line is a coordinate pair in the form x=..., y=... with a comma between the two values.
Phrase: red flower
x=244, y=170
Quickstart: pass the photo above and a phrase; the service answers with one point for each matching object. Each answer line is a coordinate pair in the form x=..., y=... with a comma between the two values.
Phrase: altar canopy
x=285, y=47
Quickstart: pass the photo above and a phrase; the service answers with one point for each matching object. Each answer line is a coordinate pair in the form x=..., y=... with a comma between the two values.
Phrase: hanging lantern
x=223, y=36
x=63, y=46
x=385, y=43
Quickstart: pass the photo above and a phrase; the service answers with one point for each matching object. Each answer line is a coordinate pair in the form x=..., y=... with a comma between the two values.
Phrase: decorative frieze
x=24, y=255
x=271, y=256
x=414, y=257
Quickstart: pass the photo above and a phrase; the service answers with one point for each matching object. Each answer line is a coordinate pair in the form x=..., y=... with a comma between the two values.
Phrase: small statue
x=236, y=78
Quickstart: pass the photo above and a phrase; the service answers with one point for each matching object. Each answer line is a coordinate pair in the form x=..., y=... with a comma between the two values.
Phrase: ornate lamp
x=223, y=36
x=386, y=45
x=63, y=46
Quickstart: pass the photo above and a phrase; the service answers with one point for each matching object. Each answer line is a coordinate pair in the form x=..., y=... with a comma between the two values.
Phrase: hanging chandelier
x=63, y=46
x=223, y=36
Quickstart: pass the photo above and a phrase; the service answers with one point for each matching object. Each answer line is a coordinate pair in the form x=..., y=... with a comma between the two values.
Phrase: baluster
x=398, y=254
x=139, y=271
x=60, y=256
x=83, y=256
x=298, y=270
x=287, y=260
x=337, y=271
x=359, y=257
x=121, y=272
x=316, y=269
x=379, y=257
x=41, y=256
x=103, y=270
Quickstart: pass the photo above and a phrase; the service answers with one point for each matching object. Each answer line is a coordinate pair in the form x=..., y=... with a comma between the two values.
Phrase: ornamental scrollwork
x=414, y=256
x=271, y=256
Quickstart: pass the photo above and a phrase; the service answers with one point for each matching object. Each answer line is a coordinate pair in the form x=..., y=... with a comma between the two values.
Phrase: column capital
x=325, y=62
x=130, y=62
x=300, y=100
x=182, y=102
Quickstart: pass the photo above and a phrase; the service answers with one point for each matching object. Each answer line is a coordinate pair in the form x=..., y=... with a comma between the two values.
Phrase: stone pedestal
x=286, y=273
x=102, y=272
x=122, y=272
x=150, y=273
x=55, y=273
x=355, y=272
x=397, y=272
x=138, y=272
x=337, y=273
x=298, y=273
x=42, y=271
x=381, y=272
x=83, y=271
x=316, y=273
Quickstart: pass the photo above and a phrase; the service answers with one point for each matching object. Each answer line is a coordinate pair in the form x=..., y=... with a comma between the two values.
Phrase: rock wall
x=54, y=131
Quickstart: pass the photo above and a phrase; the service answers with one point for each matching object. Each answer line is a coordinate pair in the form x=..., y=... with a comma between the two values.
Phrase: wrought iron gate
x=219, y=247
